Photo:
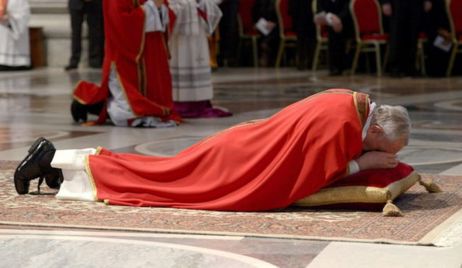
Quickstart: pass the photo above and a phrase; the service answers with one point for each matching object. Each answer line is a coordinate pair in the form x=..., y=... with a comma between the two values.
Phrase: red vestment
x=140, y=60
x=3, y=4
x=254, y=166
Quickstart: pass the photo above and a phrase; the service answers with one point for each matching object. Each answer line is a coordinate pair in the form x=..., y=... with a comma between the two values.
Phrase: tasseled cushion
x=374, y=186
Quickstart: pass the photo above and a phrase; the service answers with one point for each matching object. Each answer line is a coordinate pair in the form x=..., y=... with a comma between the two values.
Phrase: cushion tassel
x=431, y=187
x=391, y=210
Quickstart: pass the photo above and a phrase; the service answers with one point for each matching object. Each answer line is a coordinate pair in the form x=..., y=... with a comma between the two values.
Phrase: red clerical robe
x=140, y=59
x=3, y=4
x=262, y=165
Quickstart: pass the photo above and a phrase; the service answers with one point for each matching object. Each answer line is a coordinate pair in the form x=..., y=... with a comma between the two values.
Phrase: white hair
x=394, y=121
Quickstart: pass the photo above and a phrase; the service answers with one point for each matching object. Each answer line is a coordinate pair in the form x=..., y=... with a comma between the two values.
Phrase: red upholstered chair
x=247, y=29
x=321, y=39
x=454, y=11
x=286, y=34
x=367, y=19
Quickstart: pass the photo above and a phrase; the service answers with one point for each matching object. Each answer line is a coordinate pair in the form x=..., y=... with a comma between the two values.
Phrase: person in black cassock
x=405, y=18
x=336, y=15
x=92, y=12
x=302, y=19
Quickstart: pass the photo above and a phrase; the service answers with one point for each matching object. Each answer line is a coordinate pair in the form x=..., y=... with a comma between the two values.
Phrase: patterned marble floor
x=36, y=104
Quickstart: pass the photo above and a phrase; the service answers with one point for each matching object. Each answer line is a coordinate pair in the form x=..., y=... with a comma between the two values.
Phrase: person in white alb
x=14, y=35
x=192, y=22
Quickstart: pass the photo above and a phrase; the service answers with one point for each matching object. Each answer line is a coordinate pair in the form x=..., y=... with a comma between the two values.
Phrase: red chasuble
x=261, y=165
x=140, y=59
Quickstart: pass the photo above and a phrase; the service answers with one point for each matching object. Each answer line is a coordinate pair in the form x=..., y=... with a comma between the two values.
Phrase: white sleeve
x=156, y=18
x=353, y=167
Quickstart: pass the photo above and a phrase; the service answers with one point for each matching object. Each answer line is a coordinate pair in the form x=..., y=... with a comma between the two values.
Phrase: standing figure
x=229, y=33
x=405, y=25
x=192, y=21
x=14, y=35
x=136, y=87
x=302, y=19
x=91, y=11
x=336, y=15
x=438, y=30
x=265, y=19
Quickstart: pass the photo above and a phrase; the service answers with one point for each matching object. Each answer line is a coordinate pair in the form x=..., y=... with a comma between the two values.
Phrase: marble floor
x=36, y=103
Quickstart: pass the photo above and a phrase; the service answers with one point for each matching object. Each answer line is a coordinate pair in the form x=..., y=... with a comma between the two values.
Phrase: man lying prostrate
x=259, y=165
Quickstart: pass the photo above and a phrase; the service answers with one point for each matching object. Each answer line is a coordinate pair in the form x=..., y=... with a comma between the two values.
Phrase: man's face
x=388, y=146
x=377, y=141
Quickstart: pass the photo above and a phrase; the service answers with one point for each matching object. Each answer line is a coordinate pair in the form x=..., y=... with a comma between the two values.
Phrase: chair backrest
x=367, y=17
x=284, y=20
x=454, y=10
x=246, y=25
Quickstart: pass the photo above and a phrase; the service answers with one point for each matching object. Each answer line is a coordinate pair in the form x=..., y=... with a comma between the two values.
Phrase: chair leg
x=452, y=59
x=385, y=58
x=356, y=58
x=317, y=51
x=255, y=51
x=280, y=52
x=378, y=61
x=423, y=67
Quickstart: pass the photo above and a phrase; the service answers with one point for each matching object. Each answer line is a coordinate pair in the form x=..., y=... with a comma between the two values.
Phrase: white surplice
x=189, y=63
x=14, y=34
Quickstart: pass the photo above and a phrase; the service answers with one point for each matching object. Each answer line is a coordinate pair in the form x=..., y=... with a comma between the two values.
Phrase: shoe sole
x=20, y=183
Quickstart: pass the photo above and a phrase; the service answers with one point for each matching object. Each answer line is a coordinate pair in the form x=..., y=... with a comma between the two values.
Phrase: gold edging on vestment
x=90, y=174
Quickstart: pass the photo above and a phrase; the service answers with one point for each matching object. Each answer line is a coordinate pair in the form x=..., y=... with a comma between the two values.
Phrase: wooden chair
x=247, y=29
x=286, y=34
x=454, y=11
x=321, y=39
x=369, y=35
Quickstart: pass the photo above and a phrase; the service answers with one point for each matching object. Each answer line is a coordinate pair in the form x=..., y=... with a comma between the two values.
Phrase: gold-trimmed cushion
x=378, y=186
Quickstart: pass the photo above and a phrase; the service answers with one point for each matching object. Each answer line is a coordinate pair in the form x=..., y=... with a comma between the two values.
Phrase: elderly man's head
x=389, y=129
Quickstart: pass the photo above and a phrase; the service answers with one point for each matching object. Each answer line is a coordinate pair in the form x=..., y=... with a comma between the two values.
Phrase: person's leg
x=336, y=50
x=77, y=184
x=398, y=34
x=94, y=17
x=76, y=40
x=415, y=13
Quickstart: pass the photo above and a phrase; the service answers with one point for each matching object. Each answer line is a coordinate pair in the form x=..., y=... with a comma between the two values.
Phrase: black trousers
x=337, y=50
x=92, y=13
x=229, y=36
x=405, y=24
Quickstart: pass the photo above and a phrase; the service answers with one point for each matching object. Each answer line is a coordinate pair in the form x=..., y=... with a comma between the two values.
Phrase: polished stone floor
x=36, y=103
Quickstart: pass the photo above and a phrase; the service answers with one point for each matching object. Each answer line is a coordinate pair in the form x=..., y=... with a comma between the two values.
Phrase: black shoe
x=79, y=112
x=70, y=67
x=37, y=165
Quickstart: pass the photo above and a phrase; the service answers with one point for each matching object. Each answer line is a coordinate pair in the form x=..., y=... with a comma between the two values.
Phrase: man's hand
x=386, y=9
x=445, y=34
x=427, y=6
x=376, y=159
x=337, y=24
x=320, y=19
